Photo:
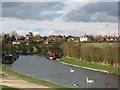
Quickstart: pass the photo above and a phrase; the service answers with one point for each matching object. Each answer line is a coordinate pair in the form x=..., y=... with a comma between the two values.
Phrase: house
x=46, y=42
x=27, y=44
x=53, y=38
x=27, y=37
x=15, y=42
x=82, y=39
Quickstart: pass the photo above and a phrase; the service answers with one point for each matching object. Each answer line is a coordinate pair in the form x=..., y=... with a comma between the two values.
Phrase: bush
x=106, y=53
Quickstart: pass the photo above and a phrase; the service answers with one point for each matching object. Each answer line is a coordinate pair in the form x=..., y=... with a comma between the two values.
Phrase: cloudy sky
x=63, y=17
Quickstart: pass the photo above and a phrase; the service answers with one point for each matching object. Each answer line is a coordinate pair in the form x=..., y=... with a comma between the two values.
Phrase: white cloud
x=59, y=27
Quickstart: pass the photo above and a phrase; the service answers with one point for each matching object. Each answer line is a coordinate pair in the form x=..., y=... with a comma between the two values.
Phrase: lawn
x=88, y=64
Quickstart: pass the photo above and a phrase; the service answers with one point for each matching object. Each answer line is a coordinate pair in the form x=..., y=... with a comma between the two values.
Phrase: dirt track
x=11, y=81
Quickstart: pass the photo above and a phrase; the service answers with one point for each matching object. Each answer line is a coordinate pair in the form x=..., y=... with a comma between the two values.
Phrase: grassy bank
x=89, y=65
x=32, y=79
x=0, y=67
x=8, y=88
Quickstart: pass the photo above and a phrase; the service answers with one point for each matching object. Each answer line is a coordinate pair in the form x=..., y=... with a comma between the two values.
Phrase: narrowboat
x=51, y=56
x=8, y=59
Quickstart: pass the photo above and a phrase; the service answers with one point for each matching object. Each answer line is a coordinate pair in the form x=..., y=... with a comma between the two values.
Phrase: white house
x=15, y=42
x=83, y=39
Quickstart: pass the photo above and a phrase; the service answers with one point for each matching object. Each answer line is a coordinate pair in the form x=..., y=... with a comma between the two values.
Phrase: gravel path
x=11, y=81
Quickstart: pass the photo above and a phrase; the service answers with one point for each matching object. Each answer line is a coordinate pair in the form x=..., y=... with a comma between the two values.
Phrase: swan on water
x=75, y=84
x=72, y=70
x=89, y=80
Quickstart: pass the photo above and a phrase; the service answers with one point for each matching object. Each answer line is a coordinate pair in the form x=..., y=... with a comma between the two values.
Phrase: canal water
x=54, y=71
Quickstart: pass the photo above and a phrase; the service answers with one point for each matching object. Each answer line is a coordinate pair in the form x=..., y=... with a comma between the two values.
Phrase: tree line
x=100, y=53
x=107, y=54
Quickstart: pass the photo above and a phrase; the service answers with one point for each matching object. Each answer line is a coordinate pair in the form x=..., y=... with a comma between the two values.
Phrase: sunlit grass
x=3, y=87
x=89, y=65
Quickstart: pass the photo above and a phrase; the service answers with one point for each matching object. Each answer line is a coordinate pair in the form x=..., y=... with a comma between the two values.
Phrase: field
x=102, y=45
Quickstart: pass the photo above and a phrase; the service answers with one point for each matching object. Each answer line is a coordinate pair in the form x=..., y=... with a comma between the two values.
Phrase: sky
x=65, y=17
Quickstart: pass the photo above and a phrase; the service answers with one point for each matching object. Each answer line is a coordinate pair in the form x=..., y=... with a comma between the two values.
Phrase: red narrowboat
x=51, y=56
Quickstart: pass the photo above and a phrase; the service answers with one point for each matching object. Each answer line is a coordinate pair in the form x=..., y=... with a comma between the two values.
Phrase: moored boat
x=8, y=59
x=51, y=56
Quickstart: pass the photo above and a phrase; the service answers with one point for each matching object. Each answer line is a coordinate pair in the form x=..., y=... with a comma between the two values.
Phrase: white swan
x=89, y=81
x=75, y=84
x=72, y=70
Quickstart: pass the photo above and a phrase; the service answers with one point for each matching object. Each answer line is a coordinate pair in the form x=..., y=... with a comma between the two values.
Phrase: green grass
x=0, y=67
x=32, y=79
x=8, y=88
x=88, y=65
x=101, y=45
x=0, y=70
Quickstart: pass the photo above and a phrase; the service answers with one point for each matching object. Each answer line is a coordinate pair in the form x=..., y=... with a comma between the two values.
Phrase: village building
x=82, y=39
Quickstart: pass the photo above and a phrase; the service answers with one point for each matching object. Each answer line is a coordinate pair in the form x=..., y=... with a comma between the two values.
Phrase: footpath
x=14, y=82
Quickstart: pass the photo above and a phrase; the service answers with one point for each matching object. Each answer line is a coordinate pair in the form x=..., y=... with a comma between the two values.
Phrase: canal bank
x=90, y=66
x=30, y=81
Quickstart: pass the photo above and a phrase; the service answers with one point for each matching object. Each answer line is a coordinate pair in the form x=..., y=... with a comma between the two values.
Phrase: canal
x=54, y=71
